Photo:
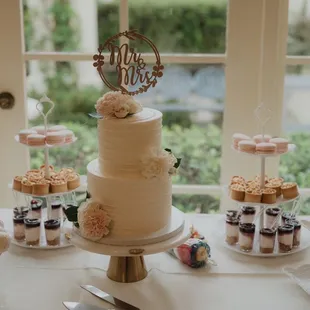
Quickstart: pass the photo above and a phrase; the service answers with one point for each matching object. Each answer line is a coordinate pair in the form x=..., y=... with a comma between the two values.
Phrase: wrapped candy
x=195, y=252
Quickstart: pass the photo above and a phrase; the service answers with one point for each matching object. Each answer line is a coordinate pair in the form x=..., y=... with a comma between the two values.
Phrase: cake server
x=108, y=298
x=71, y=305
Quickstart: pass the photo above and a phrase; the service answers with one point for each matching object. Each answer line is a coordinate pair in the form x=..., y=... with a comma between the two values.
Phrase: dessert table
x=41, y=280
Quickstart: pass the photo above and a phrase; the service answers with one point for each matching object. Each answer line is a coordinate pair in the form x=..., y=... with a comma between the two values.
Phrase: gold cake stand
x=127, y=263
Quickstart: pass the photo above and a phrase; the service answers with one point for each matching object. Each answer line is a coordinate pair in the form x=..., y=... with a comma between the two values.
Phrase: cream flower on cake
x=116, y=104
x=157, y=164
x=5, y=241
x=93, y=221
x=121, y=109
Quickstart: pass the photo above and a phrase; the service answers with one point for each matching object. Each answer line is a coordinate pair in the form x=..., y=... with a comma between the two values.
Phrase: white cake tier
x=137, y=206
x=122, y=142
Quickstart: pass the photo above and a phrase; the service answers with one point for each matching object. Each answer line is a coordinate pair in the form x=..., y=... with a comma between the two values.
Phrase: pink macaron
x=55, y=137
x=265, y=148
x=247, y=146
x=261, y=138
x=237, y=137
x=36, y=139
x=281, y=144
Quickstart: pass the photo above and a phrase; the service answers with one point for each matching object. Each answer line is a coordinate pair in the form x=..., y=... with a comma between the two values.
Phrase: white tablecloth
x=41, y=280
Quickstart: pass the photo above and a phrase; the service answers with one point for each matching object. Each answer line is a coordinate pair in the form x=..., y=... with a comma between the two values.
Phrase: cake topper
x=263, y=114
x=130, y=66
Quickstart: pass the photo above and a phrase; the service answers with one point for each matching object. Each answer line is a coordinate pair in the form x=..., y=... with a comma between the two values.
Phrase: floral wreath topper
x=122, y=57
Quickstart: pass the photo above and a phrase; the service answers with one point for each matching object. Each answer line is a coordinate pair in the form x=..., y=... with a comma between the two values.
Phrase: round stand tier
x=304, y=244
x=127, y=262
x=280, y=200
x=291, y=148
x=47, y=195
x=64, y=242
x=46, y=145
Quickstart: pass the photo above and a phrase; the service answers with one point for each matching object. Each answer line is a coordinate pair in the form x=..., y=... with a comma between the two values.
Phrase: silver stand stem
x=262, y=185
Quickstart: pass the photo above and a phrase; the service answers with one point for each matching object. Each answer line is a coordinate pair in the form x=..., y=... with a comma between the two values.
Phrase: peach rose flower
x=93, y=221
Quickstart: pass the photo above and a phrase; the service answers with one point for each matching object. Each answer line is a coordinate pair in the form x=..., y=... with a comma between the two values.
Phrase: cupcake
x=73, y=181
x=276, y=186
x=41, y=188
x=59, y=186
x=27, y=186
x=269, y=196
x=17, y=183
x=289, y=190
x=32, y=231
x=52, y=231
x=237, y=192
x=253, y=195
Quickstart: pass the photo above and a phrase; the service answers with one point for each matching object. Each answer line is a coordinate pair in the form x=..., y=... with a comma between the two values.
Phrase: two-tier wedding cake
x=130, y=182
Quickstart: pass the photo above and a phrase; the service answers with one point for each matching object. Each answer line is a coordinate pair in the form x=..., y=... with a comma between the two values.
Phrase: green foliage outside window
x=200, y=147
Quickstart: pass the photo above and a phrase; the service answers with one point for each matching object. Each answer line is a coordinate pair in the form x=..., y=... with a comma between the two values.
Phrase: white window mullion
x=14, y=157
x=250, y=23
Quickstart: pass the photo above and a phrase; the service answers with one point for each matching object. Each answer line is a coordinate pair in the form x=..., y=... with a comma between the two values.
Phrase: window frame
x=261, y=24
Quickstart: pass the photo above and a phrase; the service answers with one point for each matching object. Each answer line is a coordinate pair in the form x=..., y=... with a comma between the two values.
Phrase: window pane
x=299, y=28
x=183, y=26
x=190, y=96
x=296, y=126
x=69, y=26
x=197, y=26
x=197, y=203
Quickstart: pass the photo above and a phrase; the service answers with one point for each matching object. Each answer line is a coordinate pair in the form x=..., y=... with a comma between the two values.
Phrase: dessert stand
x=69, y=195
x=127, y=261
x=305, y=239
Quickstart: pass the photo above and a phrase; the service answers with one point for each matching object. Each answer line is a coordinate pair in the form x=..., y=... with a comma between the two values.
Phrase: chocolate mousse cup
x=267, y=239
x=32, y=231
x=297, y=231
x=56, y=209
x=246, y=236
x=232, y=230
x=36, y=208
x=19, y=227
x=272, y=218
x=52, y=231
x=287, y=216
x=21, y=211
x=231, y=214
x=247, y=214
x=285, y=238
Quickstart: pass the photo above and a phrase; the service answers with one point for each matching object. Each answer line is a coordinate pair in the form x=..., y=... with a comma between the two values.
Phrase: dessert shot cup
x=297, y=231
x=52, y=231
x=247, y=214
x=19, y=227
x=285, y=238
x=267, y=239
x=246, y=236
x=32, y=231
x=272, y=217
x=232, y=230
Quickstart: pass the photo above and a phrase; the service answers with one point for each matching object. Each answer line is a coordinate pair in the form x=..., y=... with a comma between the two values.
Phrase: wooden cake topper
x=130, y=66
